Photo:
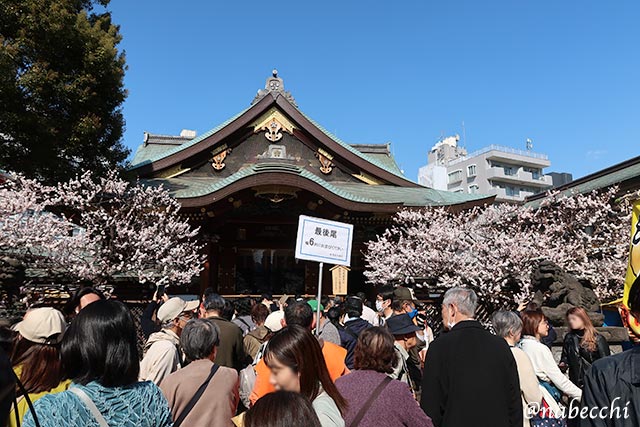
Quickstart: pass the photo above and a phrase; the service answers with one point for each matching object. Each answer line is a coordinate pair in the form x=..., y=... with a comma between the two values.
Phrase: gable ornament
x=218, y=159
x=326, y=163
x=273, y=123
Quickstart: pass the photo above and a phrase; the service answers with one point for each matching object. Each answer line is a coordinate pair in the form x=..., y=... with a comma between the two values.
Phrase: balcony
x=519, y=176
x=501, y=195
x=509, y=155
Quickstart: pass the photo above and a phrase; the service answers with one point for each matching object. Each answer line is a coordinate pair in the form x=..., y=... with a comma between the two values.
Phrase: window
x=471, y=170
x=473, y=189
x=455, y=176
x=512, y=191
x=508, y=170
x=535, y=173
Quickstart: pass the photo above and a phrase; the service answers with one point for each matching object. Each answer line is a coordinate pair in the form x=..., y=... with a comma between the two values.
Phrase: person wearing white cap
x=162, y=353
x=36, y=357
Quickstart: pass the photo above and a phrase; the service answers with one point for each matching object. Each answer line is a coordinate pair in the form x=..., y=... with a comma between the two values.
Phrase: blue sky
x=564, y=73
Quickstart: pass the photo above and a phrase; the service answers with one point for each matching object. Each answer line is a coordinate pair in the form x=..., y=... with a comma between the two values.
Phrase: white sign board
x=322, y=240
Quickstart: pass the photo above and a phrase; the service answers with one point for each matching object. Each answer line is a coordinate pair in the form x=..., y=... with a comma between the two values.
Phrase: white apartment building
x=509, y=174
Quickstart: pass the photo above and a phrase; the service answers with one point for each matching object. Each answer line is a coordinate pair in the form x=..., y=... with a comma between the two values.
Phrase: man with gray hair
x=203, y=393
x=470, y=376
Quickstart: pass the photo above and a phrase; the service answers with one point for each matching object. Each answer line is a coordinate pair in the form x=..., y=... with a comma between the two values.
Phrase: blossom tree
x=98, y=229
x=495, y=249
x=31, y=234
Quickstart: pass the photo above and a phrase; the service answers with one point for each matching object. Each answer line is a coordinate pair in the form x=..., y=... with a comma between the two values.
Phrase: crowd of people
x=267, y=363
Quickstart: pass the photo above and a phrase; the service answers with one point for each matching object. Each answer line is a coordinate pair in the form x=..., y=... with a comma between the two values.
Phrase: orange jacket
x=333, y=356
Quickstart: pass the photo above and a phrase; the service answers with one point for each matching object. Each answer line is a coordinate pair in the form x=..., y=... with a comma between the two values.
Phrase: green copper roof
x=603, y=179
x=191, y=187
x=146, y=152
x=388, y=163
x=149, y=153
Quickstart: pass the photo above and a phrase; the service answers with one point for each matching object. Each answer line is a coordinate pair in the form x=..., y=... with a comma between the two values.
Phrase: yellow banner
x=633, y=271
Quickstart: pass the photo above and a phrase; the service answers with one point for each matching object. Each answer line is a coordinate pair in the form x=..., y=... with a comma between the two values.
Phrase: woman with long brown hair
x=36, y=358
x=296, y=362
x=583, y=345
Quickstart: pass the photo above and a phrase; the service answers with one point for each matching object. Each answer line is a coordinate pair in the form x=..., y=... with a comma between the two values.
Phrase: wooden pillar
x=226, y=270
x=205, y=275
x=311, y=279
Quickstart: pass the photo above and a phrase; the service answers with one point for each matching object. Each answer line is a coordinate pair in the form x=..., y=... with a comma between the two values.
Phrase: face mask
x=413, y=313
x=380, y=306
x=451, y=324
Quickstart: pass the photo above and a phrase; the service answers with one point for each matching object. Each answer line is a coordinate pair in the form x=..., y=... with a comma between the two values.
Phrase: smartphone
x=159, y=291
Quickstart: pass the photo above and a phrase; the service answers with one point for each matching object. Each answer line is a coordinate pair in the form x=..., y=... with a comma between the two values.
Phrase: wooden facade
x=246, y=182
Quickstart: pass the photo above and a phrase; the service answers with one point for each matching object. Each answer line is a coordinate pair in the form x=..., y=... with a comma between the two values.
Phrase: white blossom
x=496, y=248
x=98, y=229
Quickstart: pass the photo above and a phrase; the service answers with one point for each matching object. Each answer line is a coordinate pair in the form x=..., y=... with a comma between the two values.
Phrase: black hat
x=401, y=324
x=353, y=304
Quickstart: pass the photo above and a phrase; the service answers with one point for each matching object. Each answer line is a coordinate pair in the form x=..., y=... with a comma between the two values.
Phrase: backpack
x=248, y=377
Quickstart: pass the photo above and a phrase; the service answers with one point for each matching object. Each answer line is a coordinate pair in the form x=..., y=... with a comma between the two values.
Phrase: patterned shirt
x=137, y=405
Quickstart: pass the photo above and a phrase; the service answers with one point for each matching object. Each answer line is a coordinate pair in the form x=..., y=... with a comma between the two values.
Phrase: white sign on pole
x=322, y=240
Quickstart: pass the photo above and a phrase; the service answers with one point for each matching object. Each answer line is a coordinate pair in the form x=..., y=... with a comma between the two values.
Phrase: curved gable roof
x=162, y=159
x=200, y=191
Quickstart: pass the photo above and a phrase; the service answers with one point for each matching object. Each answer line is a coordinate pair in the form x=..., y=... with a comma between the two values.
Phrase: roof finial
x=275, y=87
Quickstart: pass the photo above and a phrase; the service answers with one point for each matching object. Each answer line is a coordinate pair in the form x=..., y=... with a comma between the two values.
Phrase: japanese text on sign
x=322, y=240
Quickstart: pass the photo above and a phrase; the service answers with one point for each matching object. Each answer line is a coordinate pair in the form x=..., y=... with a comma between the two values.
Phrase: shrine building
x=245, y=183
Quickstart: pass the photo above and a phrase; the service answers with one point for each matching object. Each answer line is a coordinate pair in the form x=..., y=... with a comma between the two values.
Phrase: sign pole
x=319, y=297
x=322, y=240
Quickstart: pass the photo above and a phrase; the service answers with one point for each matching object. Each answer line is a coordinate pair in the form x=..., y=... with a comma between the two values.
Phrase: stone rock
x=556, y=291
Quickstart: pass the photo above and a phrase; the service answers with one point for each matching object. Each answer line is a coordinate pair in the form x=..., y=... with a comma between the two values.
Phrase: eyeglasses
x=188, y=315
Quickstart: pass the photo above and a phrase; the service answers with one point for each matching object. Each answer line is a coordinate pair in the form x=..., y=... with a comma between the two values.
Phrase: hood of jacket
x=163, y=335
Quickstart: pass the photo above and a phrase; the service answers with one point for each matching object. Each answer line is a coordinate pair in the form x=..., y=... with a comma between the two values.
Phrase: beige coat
x=218, y=403
x=161, y=356
x=529, y=385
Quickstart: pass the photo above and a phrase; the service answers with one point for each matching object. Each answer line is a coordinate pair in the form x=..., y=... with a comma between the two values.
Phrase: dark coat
x=148, y=325
x=471, y=379
x=7, y=387
x=612, y=378
x=349, y=334
x=578, y=358
x=230, y=351
x=550, y=338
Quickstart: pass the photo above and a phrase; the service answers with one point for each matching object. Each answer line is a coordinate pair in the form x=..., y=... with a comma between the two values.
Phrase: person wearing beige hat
x=162, y=352
x=36, y=357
